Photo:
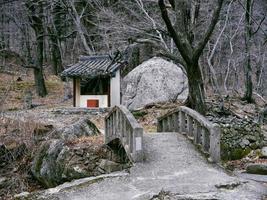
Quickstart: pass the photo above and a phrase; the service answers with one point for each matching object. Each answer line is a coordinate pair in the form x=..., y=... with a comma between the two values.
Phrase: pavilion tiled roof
x=90, y=66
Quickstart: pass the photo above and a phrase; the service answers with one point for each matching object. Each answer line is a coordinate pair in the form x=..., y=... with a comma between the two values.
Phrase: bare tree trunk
x=77, y=20
x=183, y=39
x=55, y=52
x=247, y=67
x=196, y=98
x=36, y=19
x=38, y=71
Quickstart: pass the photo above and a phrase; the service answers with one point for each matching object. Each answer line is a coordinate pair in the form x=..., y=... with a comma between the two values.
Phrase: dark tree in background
x=190, y=50
x=55, y=29
x=36, y=16
x=247, y=64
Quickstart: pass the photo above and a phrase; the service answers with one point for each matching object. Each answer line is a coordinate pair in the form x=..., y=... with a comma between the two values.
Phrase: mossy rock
x=139, y=114
x=260, y=169
x=51, y=165
x=45, y=168
x=233, y=154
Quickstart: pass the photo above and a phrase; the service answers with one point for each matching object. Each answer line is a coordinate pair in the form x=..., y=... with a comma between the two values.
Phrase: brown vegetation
x=12, y=92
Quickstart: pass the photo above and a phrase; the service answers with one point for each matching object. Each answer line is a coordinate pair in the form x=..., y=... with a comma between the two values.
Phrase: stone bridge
x=121, y=124
x=167, y=164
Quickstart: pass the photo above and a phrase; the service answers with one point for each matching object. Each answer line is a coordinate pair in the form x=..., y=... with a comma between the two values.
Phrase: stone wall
x=239, y=136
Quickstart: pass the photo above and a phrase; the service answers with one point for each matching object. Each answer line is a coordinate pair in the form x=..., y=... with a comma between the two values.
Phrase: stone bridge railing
x=121, y=124
x=196, y=127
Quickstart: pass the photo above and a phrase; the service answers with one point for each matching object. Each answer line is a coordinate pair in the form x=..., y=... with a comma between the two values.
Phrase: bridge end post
x=138, y=151
x=215, y=137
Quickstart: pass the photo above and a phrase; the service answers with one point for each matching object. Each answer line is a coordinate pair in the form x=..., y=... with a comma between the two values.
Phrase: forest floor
x=14, y=87
x=12, y=91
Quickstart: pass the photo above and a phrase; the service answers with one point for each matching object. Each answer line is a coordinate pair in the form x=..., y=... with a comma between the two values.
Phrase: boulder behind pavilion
x=155, y=80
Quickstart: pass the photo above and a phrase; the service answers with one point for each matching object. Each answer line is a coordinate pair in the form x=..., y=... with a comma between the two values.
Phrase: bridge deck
x=172, y=164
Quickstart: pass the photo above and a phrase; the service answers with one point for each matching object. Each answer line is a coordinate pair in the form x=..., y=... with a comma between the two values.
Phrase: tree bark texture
x=247, y=66
x=36, y=19
x=183, y=39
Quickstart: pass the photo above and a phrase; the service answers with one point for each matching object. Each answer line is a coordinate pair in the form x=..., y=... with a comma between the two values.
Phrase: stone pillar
x=182, y=122
x=215, y=136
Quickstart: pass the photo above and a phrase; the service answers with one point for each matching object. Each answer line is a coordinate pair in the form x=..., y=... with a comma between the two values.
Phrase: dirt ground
x=13, y=89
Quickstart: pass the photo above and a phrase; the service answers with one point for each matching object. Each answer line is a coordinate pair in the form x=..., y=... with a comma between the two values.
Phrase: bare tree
x=247, y=65
x=36, y=13
x=77, y=19
x=54, y=30
x=190, y=53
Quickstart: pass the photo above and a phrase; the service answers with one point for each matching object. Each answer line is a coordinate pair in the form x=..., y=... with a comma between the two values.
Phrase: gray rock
x=155, y=80
x=56, y=163
x=257, y=169
x=22, y=195
x=238, y=136
x=110, y=166
x=83, y=127
x=264, y=152
x=45, y=168
x=244, y=143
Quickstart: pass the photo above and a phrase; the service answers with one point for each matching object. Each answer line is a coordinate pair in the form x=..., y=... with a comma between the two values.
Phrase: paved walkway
x=172, y=165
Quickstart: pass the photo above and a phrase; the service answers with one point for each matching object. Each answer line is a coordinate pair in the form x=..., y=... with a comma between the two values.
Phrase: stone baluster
x=130, y=142
x=127, y=135
x=190, y=126
x=114, y=123
x=124, y=129
x=111, y=125
x=159, y=127
x=175, y=117
x=197, y=133
x=182, y=122
x=107, y=129
x=205, y=140
x=164, y=125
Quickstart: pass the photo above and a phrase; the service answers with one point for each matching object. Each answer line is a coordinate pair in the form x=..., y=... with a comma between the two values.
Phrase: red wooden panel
x=92, y=103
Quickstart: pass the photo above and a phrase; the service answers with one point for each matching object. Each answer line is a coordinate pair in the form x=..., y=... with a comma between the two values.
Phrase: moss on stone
x=234, y=154
x=139, y=114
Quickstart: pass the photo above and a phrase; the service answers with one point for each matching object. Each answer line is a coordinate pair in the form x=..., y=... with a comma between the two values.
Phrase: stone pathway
x=172, y=165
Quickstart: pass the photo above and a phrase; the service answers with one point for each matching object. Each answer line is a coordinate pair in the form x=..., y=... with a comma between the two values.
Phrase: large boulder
x=58, y=161
x=77, y=128
x=155, y=80
x=67, y=152
x=82, y=127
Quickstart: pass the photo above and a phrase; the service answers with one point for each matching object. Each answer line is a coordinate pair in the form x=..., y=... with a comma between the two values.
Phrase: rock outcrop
x=58, y=161
x=257, y=169
x=239, y=136
x=154, y=81
x=67, y=153
x=82, y=127
x=78, y=128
